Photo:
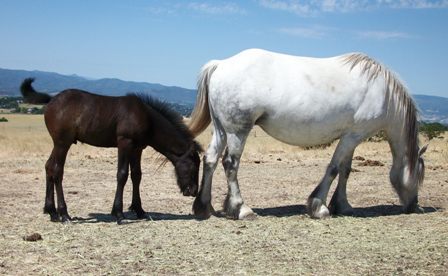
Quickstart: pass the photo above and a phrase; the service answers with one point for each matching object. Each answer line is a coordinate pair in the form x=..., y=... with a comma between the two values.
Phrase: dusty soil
x=275, y=180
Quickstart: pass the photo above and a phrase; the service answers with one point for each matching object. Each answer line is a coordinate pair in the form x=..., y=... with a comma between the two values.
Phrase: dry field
x=275, y=180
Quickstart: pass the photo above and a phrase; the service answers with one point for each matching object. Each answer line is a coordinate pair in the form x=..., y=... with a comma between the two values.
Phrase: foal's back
x=75, y=115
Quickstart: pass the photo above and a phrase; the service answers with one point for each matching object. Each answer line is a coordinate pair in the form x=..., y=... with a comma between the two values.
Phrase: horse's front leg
x=339, y=204
x=234, y=205
x=317, y=200
x=124, y=149
x=136, y=177
x=202, y=206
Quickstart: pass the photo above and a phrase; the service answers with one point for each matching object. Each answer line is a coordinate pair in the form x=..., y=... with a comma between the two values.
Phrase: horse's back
x=298, y=100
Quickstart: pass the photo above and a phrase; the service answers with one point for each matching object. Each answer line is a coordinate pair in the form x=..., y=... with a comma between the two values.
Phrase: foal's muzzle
x=190, y=192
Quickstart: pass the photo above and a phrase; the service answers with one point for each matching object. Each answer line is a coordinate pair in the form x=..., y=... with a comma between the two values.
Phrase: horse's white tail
x=200, y=117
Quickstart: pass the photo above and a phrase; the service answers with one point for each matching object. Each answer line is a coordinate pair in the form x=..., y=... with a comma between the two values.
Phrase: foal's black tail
x=32, y=96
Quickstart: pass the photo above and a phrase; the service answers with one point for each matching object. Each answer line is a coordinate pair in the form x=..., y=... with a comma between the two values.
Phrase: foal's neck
x=167, y=139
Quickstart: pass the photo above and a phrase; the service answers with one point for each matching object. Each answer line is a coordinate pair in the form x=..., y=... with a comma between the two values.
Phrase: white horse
x=305, y=101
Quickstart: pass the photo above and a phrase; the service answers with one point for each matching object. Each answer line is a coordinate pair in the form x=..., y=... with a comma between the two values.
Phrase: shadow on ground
x=366, y=212
x=282, y=211
x=130, y=217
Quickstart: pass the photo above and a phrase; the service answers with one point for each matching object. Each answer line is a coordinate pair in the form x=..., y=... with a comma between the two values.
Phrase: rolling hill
x=10, y=81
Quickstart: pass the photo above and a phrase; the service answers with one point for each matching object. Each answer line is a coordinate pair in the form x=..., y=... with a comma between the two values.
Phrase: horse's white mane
x=399, y=99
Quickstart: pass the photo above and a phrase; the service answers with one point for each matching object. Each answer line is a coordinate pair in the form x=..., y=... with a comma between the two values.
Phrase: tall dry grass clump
x=24, y=135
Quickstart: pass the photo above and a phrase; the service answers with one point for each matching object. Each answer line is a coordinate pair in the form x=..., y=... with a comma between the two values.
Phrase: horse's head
x=407, y=182
x=187, y=170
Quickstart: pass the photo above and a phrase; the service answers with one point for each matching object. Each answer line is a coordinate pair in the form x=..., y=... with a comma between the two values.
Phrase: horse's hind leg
x=54, y=174
x=339, y=164
x=234, y=205
x=202, y=206
x=136, y=176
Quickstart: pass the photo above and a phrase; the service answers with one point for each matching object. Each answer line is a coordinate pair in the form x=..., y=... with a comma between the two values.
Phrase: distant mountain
x=10, y=81
x=433, y=109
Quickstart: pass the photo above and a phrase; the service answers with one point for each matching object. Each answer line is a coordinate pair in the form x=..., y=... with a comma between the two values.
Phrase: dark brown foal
x=129, y=123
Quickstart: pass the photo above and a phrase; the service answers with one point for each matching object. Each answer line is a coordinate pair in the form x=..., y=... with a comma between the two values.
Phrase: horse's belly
x=305, y=133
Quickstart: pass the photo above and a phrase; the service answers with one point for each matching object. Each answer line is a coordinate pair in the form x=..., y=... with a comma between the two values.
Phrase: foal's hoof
x=66, y=219
x=141, y=214
x=316, y=209
x=202, y=210
x=119, y=216
x=54, y=218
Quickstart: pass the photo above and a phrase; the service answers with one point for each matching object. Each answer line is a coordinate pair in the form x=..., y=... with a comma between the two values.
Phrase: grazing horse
x=129, y=123
x=306, y=102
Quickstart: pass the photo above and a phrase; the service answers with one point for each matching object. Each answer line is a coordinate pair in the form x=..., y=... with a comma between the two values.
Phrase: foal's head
x=187, y=170
x=178, y=145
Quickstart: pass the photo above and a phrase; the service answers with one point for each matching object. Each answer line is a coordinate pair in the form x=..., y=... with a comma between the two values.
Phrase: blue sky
x=168, y=41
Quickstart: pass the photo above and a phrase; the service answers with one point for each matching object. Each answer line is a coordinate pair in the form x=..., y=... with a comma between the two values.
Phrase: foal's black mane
x=167, y=112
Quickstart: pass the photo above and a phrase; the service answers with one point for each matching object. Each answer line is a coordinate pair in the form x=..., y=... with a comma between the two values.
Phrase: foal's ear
x=423, y=150
x=197, y=147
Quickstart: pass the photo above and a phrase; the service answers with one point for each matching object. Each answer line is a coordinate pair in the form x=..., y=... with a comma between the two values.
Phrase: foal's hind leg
x=202, y=206
x=136, y=176
x=317, y=199
x=234, y=205
x=54, y=174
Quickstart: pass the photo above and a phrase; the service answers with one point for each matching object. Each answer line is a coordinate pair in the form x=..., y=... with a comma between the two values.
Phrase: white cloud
x=172, y=8
x=311, y=32
x=224, y=8
x=415, y=4
x=312, y=7
x=325, y=31
x=383, y=35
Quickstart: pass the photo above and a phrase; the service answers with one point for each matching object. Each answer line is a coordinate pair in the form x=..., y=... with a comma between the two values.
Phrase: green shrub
x=3, y=119
x=432, y=130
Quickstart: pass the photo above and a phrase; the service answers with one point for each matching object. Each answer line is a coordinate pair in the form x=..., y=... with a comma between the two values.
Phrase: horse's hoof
x=415, y=209
x=341, y=209
x=201, y=210
x=316, y=209
x=246, y=213
x=241, y=212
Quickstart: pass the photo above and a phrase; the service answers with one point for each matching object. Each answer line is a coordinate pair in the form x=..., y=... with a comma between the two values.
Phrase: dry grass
x=275, y=180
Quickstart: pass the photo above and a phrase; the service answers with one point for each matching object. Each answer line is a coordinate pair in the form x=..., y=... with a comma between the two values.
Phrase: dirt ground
x=275, y=180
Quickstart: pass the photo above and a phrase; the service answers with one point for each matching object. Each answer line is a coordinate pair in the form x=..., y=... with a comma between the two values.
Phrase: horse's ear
x=423, y=150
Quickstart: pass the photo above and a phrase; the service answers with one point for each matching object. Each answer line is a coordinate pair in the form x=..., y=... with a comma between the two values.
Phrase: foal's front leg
x=136, y=176
x=124, y=148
